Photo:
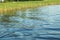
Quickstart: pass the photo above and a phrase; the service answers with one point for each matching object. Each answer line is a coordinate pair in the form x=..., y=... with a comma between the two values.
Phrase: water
x=42, y=23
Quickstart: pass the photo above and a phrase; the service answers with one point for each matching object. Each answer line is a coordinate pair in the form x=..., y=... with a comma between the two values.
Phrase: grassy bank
x=10, y=6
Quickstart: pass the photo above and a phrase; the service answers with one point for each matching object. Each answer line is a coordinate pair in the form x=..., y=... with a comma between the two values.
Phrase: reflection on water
x=41, y=23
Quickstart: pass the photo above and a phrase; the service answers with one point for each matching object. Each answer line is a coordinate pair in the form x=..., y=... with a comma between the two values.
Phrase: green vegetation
x=20, y=5
x=31, y=0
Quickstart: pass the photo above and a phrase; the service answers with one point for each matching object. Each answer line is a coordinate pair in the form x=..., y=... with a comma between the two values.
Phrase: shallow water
x=41, y=23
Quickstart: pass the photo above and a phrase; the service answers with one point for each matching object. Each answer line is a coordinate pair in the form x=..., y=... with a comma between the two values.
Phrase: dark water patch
x=57, y=29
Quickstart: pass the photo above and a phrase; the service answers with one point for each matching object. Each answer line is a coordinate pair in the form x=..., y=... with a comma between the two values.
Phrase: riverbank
x=10, y=6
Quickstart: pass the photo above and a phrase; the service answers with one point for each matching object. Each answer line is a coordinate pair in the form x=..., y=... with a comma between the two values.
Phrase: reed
x=6, y=8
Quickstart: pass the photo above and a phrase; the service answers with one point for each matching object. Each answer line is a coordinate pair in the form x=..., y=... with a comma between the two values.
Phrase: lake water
x=42, y=23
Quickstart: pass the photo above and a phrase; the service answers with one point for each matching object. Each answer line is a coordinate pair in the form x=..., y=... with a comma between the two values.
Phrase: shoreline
x=23, y=5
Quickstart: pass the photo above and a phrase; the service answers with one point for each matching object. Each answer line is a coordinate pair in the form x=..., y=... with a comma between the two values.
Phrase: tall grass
x=13, y=6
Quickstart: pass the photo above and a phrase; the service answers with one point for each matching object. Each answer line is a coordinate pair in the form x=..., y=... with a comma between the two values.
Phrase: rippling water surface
x=41, y=23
